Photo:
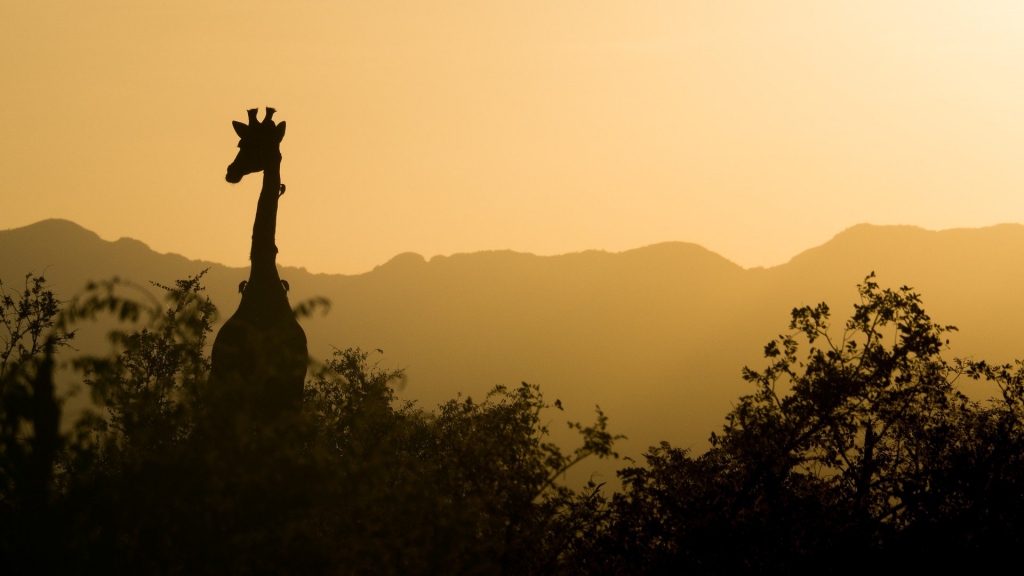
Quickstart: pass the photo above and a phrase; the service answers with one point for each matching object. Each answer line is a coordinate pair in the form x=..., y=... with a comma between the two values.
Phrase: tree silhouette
x=855, y=451
x=858, y=453
x=360, y=483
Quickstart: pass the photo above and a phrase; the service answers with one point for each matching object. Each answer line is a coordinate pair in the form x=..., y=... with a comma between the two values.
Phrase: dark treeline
x=855, y=450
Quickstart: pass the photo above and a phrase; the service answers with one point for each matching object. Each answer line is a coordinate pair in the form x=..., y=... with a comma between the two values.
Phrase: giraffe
x=259, y=355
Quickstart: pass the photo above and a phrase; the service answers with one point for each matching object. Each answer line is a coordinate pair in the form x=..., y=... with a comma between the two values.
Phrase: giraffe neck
x=263, y=253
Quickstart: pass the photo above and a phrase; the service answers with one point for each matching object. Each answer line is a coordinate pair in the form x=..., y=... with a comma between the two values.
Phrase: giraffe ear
x=240, y=129
x=280, y=131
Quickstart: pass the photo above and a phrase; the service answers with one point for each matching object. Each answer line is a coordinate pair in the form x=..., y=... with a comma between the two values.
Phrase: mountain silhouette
x=656, y=336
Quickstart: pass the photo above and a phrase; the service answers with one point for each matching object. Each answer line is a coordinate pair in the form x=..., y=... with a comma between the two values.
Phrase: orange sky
x=757, y=129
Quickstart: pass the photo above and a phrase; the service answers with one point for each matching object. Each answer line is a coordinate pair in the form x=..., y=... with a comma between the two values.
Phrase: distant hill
x=657, y=336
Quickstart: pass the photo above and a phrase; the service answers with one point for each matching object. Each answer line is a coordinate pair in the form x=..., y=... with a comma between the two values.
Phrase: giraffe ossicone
x=258, y=145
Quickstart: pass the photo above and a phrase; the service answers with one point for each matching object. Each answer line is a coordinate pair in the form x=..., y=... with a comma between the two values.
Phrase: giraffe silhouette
x=259, y=355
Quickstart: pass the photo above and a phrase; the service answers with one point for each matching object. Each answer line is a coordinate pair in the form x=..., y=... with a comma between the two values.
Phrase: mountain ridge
x=656, y=335
x=67, y=228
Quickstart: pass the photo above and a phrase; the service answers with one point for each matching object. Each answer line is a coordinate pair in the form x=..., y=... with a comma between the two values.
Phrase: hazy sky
x=757, y=129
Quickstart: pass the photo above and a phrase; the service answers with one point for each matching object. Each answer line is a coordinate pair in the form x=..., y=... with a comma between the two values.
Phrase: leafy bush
x=855, y=451
x=358, y=483
x=859, y=453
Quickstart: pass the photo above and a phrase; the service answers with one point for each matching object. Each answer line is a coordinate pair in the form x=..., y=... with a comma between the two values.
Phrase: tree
x=469, y=487
x=359, y=483
x=30, y=440
x=855, y=450
x=858, y=451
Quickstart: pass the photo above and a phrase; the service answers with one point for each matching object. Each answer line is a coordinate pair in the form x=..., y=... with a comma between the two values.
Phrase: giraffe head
x=259, y=145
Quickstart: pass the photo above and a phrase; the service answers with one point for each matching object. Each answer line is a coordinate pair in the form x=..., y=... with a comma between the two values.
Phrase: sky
x=756, y=129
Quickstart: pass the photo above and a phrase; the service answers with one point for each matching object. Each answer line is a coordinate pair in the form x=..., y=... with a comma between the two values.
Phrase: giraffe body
x=259, y=355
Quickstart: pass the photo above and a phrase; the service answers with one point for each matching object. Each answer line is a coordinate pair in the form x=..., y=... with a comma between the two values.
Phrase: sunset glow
x=755, y=129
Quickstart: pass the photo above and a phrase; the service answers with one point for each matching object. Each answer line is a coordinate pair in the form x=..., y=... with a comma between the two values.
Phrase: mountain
x=656, y=336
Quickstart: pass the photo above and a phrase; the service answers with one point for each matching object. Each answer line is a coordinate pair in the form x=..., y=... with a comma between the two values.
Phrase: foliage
x=28, y=318
x=470, y=487
x=359, y=482
x=152, y=388
x=858, y=453
x=29, y=414
x=855, y=450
